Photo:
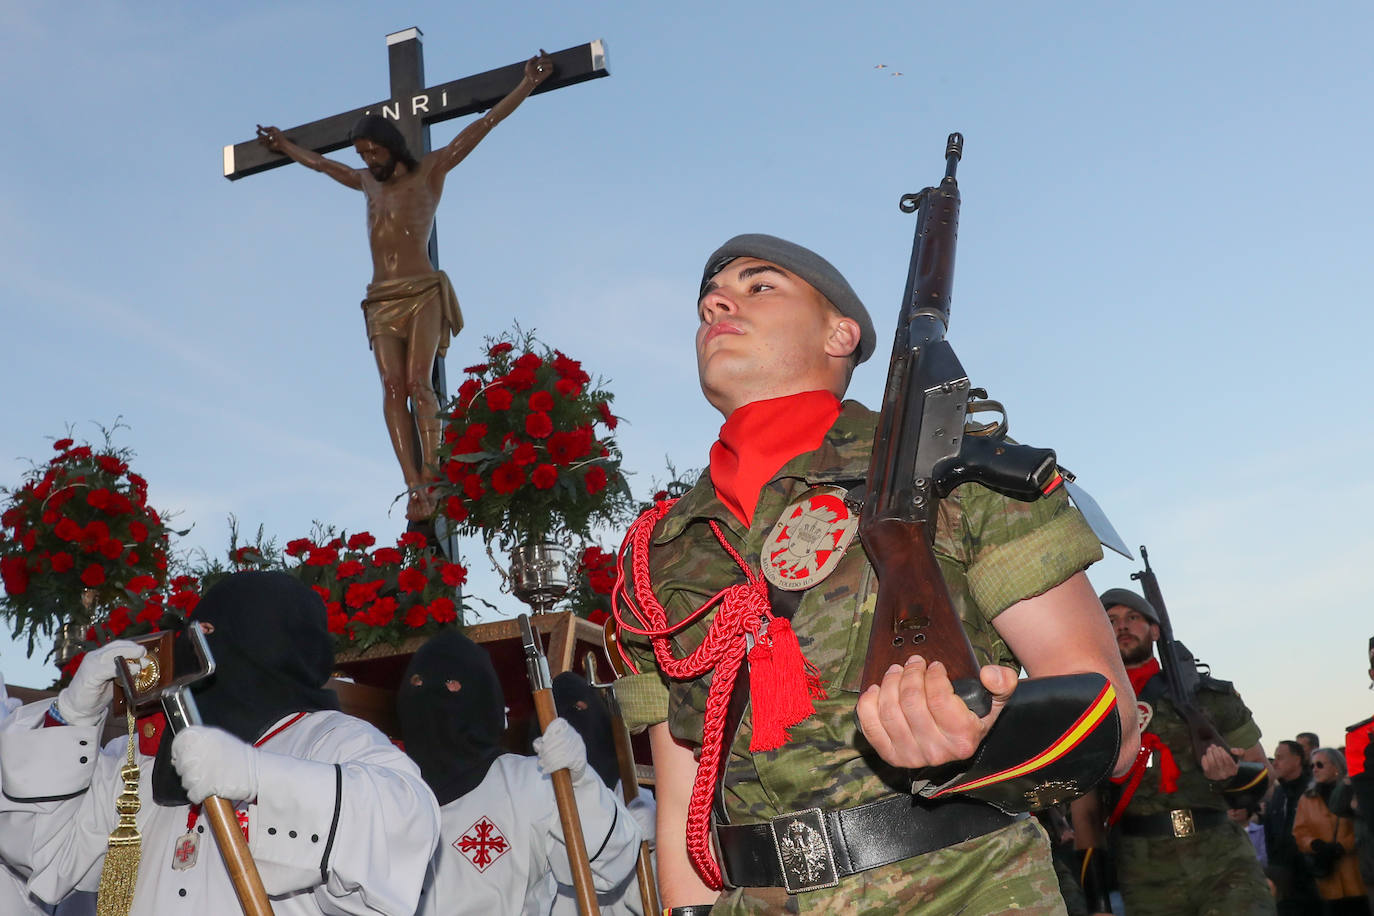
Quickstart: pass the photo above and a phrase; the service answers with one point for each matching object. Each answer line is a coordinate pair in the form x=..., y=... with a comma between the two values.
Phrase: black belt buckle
x=804, y=852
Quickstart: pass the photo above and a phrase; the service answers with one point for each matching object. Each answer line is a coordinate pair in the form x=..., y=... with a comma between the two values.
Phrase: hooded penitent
x=577, y=701
x=452, y=714
x=269, y=636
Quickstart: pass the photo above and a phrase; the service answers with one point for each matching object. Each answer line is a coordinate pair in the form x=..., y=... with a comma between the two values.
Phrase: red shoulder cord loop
x=782, y=683
x=1168, y=773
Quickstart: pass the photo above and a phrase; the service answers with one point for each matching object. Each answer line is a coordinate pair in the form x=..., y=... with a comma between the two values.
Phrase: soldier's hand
x=914, y=719
x=539, y=67
x=270, y=137
x=1218, y=765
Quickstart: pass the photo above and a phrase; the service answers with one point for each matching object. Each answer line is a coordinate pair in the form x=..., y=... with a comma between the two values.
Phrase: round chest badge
x=806, y=544
x=1146, y=713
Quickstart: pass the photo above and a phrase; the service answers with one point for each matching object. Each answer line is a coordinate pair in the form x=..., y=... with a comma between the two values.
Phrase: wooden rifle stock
x=921, y=424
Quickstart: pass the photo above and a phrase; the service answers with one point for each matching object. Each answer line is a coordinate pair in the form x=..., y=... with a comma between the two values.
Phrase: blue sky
x=1163, y=261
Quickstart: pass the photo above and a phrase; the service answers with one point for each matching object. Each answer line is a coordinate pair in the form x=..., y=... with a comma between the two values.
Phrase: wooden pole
x=233, y=848
x=542, y=690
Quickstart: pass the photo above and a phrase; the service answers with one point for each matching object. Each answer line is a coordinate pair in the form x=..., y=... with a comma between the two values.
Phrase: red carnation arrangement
x=527, y=452
x=593, y=579
x=79, y=542
x=379, y=595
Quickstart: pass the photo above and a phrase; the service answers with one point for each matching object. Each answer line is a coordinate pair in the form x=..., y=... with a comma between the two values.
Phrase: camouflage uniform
x=1215, y=871
x=993, y=552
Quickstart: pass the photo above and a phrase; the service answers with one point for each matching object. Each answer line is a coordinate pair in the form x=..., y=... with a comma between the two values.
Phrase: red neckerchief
x=760, y=437
x=1141, y=674
x=782, y=683
x=1150, y=743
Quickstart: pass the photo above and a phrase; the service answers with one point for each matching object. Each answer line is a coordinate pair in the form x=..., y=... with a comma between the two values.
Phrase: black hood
x=452, y=713
x=579, y=703
x=269, y=637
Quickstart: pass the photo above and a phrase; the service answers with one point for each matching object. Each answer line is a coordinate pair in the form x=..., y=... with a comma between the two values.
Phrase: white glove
x=211, y=761
x=561, y=748
x=83, y=701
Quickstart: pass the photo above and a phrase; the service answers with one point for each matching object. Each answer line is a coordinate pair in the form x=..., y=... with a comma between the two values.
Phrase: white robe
x=343, y=824
x=503, y=840
x=622, y=900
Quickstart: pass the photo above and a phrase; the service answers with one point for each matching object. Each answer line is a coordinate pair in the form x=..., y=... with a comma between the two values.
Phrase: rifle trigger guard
x=996, y=430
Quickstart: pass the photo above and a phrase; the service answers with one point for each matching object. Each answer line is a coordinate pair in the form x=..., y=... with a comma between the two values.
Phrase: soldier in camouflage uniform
x=1177, y=852
x=779, y=323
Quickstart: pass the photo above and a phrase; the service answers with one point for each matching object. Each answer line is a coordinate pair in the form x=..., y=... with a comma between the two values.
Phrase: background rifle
x=921, y=453
x=541, y=688
x=1180, y=674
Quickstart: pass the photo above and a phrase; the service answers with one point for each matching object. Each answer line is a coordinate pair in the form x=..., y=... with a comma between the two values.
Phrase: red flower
x=477, y=369
x=454, y=470
x=565, y=448
x=412, y=580
x=98, y=498
x=414, y=539
x=151, y=613
x=69, y=530
x=519, y=379
x=598, y=616
x=386, y=556
x=454, y=574
x=530, y=361
x=524, y=454
x=382, y=612
x=541, y=400
x=140, y=584
x=297, y=547
x=567, y=387
x=139, y=532
x=15, y=574
x=184, y=601
x=569, y=368
x=602, y=581
x=338, y=621
x=119, y=620
x=455, y=509
x=443, y=610
x=606, y=416
x=416, y=616
x=111, y=464
x=13, y=518
x=596, y=480
x=93, y=575
x=321, y=591
x=131, y=559
x=538, y=425
x=499, y=398
x=62, y=561
x=360, y=593
x=361, y=541
x=349, y=568
x=472, y=487
x=468, y=390
x=507, y=478
x=500, y=348
x=61, y=445
x=110, y=548
x=322, y=556
x=544, y=476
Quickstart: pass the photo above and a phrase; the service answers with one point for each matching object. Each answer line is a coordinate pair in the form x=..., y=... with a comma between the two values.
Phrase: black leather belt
x=1181, y=822
x=813, y=848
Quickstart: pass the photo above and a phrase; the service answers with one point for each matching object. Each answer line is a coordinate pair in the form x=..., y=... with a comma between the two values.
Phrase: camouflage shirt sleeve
x=1229, y=713
x=1014, y=550
x=643, y=697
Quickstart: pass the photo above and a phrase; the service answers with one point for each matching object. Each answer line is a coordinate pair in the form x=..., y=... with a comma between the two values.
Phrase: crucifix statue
x=410, y=309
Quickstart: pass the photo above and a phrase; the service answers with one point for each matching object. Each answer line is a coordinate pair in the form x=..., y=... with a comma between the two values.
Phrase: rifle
x=625, y=760
x=541, y=688
x=921, y=453
x=1180, y=674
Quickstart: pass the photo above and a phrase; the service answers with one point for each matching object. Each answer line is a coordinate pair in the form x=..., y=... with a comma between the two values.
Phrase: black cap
x=806, y=264
x=1127, y=598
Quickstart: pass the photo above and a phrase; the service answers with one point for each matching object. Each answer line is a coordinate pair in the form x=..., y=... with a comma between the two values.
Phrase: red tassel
x=1168, y=769
x=782, y=685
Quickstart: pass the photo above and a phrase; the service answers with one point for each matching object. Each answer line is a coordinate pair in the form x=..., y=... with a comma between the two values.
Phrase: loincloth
x=392, y=306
